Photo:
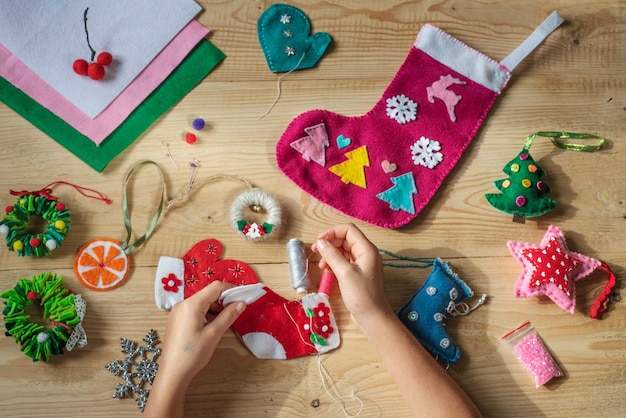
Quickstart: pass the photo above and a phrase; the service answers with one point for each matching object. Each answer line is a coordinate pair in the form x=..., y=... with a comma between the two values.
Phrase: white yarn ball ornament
x=261, y=200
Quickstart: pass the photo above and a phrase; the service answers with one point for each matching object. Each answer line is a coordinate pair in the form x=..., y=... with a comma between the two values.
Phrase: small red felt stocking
x=384, y=167
x=273, y=327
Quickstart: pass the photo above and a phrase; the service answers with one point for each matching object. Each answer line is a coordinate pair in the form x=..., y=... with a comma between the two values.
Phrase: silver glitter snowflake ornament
x=138, y=369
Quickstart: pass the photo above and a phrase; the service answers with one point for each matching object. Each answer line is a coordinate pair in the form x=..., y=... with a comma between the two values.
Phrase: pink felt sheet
x=98, y=128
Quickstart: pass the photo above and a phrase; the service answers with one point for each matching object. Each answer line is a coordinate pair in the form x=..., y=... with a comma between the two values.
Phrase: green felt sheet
x=200, y=62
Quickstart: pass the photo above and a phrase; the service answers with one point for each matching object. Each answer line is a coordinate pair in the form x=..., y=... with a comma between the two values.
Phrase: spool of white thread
x=298, y=265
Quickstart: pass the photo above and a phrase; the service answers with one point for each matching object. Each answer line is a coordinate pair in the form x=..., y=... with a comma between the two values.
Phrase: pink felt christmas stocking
x=384, y=167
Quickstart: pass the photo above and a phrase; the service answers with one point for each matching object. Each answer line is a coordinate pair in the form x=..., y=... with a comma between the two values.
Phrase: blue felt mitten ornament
x=425, y=313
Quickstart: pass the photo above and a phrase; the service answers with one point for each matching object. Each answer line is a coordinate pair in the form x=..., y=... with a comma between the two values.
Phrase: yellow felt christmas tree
x=353, y=169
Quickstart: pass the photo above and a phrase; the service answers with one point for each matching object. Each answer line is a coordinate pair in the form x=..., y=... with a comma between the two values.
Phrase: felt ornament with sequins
x=524, y=193
x=383, y=167
x=443, y=294
x=271, y=326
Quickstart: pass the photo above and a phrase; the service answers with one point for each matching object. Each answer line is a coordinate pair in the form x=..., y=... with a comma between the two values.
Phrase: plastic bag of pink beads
x=526, y=344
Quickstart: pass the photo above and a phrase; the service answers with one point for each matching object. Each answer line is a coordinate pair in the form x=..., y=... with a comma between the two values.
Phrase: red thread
x=45, y=192
x=600, y=304
x=67, y=327
x=82, y=190
x=327, y=282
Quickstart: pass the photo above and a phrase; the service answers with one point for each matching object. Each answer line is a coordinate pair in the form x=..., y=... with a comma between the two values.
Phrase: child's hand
x=357, y=264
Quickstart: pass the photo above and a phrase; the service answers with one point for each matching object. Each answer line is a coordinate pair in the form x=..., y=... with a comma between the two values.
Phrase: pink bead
x=536, y=359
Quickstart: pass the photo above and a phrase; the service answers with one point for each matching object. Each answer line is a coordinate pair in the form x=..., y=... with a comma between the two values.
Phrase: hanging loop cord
x=415, y=262
x=456, y=309
x=561, y=140
x=197, y=185
x=126, y=245
x=46, y=192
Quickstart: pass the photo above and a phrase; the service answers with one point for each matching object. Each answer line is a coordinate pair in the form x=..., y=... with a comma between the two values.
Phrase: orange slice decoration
x=101, y=264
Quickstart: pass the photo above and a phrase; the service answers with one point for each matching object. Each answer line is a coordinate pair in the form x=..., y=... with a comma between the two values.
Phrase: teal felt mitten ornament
x=284, y=37
x=524, y=193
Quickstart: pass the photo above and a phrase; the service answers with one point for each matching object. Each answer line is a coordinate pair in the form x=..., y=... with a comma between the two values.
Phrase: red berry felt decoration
x=95, y=70
x=80, y=66
x=105, y=58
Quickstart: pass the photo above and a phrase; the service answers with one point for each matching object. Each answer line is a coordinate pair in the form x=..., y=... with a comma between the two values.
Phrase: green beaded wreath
x=59, y=307
x=15, y=224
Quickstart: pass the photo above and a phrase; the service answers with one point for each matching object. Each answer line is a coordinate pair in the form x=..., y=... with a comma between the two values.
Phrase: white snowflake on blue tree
x=138, y=369
x=401, y=108
x=426, y=152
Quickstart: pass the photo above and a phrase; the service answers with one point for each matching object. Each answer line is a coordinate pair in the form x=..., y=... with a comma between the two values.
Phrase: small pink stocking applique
x=385, y=166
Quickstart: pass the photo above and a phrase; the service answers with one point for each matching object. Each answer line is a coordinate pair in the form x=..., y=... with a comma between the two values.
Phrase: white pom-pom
x=51, y=244
x=4, y=229
x=42, y=337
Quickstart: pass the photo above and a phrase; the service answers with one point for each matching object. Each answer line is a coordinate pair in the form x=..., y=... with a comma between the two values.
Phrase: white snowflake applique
x=426, y=152
x=401, y=109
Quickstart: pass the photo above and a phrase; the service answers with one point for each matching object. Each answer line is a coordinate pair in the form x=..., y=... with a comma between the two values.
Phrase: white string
x=324, y=375
x=278, y=87
x=338, y=397
x=452, y=307
x=169, y=154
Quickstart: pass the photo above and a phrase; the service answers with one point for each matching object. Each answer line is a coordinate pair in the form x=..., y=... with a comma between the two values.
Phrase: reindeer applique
x=439, y=90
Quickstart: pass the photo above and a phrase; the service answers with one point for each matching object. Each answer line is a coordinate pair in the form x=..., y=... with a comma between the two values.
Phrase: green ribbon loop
x=126, y=246
x=558, y=137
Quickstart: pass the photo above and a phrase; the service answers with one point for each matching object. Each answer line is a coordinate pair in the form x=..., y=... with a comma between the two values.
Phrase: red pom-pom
x=35, y=242
x=95, y=71
x=60, y=206
x=190, y=138
x=32, y=296
x=105, y=58
x=8, y=209
x=80, y=66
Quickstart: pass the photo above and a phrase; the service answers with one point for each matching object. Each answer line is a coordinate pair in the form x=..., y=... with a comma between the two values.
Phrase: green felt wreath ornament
x=19, y=235
x=59, y=307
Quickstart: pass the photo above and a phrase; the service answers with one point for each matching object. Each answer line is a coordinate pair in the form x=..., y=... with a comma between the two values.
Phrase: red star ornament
x=551, y=269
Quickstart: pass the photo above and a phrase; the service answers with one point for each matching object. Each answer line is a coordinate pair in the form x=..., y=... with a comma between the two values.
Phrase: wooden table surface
x=575, y=81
